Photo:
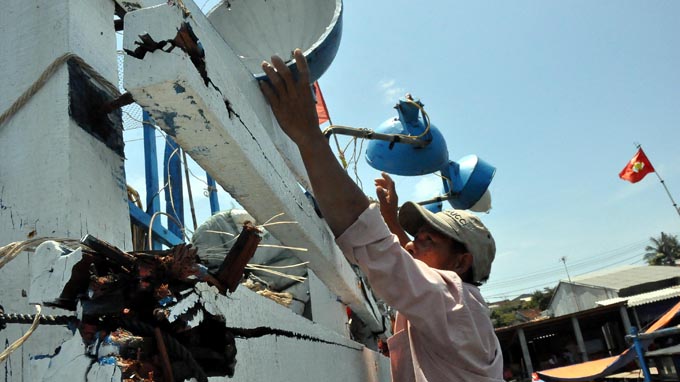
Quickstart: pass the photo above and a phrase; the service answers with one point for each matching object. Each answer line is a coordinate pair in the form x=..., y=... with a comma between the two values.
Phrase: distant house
x=585, y=291
x=498, y=304
x=528, y=315
x=591, y=314
x=524, y=297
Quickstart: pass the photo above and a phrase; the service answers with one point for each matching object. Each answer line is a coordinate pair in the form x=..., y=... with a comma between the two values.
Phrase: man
x=442, y=330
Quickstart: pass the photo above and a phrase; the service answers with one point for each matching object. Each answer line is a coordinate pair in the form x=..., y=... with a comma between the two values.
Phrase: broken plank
x=230, y=140
x=247, y=312
x=269, y=334
x=290, y=359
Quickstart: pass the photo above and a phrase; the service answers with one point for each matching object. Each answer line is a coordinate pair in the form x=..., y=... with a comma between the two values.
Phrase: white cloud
x=391, y=92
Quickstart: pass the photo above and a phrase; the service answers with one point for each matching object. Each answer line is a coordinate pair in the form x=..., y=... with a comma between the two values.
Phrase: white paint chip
x=51, y=268
x=187, y=302
x=104, y=373
x=71, y=364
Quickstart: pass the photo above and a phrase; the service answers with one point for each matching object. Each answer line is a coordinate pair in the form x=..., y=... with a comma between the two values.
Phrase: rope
x=16, y=344
x=20, y=318
x=364, y=133
x=426, y=118
x=7, y=254
x=46, y=74
x=11, y=250
x=153, y=217
x=183, y=7
x=169, y=193
x=341, y=154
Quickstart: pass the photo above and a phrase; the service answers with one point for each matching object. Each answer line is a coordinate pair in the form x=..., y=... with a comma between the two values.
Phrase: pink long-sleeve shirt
x=442, y=330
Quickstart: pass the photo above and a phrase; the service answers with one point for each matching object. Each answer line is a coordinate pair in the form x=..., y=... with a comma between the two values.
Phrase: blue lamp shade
x=257, y=29
x=467, y=181
x=434, y=207
x=406, y=159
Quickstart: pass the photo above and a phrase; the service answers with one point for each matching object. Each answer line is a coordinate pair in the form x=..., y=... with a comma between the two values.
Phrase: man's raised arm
x=340, y=199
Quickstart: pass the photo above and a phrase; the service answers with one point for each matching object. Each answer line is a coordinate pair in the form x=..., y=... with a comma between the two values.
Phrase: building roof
x=522, y=296
x=527, y=315
x=626, y=276
x=542, y=321
x=645, y=298
x=665, y=351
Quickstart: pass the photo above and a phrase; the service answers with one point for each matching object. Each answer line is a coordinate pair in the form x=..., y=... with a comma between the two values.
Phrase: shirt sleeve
x=430, y=299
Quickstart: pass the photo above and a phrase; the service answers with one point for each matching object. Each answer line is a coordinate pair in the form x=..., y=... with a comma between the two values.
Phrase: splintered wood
x=231, y=270
x=139, y=310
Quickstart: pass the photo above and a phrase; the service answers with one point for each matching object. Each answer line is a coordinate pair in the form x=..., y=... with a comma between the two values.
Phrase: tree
x=664, y=250
x=505, y=314
x=541, y=299
x=502, y=318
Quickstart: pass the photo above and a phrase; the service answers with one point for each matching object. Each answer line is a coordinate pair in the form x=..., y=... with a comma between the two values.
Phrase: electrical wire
x=553, y=281
x=577, y=265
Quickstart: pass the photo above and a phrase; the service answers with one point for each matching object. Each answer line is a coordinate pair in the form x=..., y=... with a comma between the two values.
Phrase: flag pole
x=663, y=183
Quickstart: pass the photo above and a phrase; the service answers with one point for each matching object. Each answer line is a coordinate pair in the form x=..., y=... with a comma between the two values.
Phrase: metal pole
x=625, y=318
x=153, y=203
x=640, y=353
x=212, y=195
x=563, y=259
x=172, y=176
x=579, y=339
x=525, y=351
x=663, y=183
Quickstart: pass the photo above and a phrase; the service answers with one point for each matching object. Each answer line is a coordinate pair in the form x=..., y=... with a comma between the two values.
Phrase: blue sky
x=554, y=94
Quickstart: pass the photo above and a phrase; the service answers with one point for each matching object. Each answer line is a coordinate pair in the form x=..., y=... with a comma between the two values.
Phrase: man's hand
x=387, y=195
x=339, y=199
x=389, y=206
x=291, y=100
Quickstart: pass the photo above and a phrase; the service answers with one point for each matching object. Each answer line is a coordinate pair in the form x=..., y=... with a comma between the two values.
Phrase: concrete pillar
x=625, y=318
x=61, y=175
x=637, y=318
x=525, y=351
x=579, y=339
x=58, y=177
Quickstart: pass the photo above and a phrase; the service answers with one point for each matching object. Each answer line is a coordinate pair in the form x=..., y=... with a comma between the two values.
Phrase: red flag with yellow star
x=321, y=109
x=637, y=168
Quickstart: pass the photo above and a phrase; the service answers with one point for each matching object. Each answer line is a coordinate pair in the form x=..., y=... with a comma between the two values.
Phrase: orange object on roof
x=588, y=371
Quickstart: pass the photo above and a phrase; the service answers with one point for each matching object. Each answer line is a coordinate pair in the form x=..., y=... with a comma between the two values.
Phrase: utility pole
x=563, y=259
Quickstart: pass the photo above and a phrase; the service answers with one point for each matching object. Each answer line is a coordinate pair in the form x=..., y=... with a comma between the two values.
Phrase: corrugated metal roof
x=626, y=276
x=645, y=298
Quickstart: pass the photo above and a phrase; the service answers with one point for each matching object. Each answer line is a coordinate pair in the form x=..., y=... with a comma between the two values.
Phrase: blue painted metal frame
x=173, y=167
x=153, y=202
x=172, y=176
x=212, y=194
x=640, y=351
x=161, y=234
